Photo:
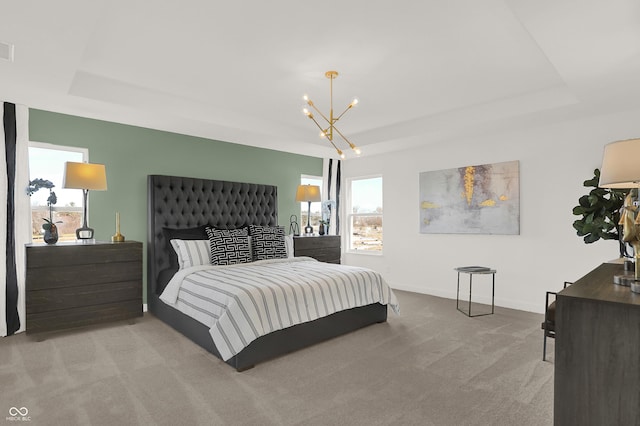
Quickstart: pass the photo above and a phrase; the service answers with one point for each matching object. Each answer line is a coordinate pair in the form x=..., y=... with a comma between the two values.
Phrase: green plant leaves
x=600, y=211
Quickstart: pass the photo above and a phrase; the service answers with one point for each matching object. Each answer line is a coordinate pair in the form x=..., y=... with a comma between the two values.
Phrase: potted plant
x=600, y=211
x=326, y=208
x=50, y=228
x=324, y=227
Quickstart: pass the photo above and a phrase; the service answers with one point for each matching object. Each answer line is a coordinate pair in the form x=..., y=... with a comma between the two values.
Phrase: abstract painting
x=481, y=199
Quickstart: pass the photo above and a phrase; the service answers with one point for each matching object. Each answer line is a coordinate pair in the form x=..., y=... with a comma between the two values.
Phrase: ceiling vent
x=6, y=51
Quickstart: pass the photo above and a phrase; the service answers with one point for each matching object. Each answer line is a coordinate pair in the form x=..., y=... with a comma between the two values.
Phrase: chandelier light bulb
x=323, y=135
x=357, y=150
x=306, y=112
x=354, y=102
x=305, y=97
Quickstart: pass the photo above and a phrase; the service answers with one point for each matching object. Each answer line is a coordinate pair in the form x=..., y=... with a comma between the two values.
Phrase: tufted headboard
x=186, y=203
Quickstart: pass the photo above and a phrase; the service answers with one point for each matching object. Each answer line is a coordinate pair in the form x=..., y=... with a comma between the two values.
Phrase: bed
x=181, y=208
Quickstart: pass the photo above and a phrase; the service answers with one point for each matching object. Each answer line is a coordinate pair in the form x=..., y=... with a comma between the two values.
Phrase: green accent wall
x=130, y=153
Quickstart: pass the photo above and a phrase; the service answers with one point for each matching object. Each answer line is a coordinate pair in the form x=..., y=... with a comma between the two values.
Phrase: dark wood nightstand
x=324, y=248
x=71, y=285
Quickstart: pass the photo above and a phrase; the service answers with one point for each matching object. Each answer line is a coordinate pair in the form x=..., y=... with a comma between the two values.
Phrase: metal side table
x=472, y=270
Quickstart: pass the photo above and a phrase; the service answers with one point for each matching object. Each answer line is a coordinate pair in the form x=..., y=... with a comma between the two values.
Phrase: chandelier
x=328, y=132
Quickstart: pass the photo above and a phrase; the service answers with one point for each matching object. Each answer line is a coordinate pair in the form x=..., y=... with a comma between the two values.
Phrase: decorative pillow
x=191, y=252
x=196, y=233
x=288, y=243
x=229, y=246
x=267, y=242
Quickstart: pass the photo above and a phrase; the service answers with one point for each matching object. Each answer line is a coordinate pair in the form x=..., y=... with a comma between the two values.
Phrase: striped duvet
x=240, y=303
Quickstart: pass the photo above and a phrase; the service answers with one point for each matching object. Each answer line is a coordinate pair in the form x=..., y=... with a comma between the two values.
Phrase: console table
x=597, y=351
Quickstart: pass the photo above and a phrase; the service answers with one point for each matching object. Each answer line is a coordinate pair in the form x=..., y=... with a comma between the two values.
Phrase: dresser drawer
x=81, y=316
x=65, y=255
x=85, y=295
x=62, y=275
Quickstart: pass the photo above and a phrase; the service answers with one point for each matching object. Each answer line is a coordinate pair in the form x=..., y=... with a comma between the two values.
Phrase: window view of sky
x=49, y=164
x=366, y=194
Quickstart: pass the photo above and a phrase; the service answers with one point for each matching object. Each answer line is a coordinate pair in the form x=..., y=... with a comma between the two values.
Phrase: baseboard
x=451, y=294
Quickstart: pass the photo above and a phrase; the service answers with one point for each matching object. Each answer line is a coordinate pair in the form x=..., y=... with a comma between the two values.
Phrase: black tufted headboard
x=182, y=203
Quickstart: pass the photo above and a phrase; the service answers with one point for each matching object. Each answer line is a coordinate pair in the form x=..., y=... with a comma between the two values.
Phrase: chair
x=549, y=324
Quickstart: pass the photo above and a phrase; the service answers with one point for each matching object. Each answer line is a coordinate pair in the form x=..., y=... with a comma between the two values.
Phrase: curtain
x=15, y=216
x=331, y=195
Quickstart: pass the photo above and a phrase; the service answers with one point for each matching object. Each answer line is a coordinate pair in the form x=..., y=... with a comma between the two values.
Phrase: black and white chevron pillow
x=229, y=246
x=267, y=242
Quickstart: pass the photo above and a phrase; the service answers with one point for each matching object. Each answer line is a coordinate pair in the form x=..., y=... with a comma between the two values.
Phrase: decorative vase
x=50, y=233
x=321, y=230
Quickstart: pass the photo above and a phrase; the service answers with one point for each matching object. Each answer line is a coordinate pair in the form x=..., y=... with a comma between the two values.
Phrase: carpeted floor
x=431, y=365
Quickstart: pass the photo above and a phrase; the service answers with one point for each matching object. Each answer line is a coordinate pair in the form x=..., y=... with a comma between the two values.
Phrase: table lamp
x=85, y=176
x=621, y=170
x=309, y=194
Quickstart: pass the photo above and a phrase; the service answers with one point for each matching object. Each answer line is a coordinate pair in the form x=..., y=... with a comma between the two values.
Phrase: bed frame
x=186, y=203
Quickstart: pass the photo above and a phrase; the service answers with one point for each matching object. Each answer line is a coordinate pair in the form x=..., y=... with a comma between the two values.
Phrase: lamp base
x=118, y=238
x=308, y=230
x=624, y=279
x=84, y=233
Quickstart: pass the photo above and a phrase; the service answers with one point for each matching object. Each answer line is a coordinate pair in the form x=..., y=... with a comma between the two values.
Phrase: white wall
x=554, y=162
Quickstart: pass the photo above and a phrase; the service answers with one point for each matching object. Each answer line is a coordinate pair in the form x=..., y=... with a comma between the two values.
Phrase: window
x=316, y=208
x=364, y=214
x=46, y=162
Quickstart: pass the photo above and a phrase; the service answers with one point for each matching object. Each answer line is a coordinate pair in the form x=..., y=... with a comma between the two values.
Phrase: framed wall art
x=482, y=199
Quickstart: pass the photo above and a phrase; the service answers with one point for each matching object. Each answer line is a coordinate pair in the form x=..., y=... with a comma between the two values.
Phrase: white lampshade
x=621, y=165
x=85, y=176
x=308, y=193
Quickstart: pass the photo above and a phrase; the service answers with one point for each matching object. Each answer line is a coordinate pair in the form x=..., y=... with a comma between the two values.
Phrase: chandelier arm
x=330, y=139
x=352, y=146
x=325, y=132
x=344, y=112
x=312, y=105
x=336, y=148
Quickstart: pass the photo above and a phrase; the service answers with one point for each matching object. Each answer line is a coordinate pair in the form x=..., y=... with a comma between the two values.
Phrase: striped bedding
x=240, y=303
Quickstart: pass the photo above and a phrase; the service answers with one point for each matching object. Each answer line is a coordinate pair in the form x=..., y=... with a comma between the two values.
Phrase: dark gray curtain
x=11, y=285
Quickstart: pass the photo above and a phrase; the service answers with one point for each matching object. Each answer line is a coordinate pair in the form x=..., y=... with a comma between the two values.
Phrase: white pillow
x=288, y=244
x=191, y=252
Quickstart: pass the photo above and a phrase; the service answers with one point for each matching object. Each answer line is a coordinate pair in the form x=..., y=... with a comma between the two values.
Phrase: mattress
x=240, y=303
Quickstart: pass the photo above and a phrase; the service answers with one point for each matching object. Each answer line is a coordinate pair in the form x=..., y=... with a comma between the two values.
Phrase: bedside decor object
x=331, y=121
x=323, y=227
x=85, y=176
x=327, y=207
x=620, y=171
x=50, y=228
x=118, y=237
x=294, y=228
x=309, y=194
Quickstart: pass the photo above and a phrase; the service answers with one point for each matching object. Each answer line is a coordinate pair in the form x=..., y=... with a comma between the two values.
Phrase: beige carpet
x=430, y=366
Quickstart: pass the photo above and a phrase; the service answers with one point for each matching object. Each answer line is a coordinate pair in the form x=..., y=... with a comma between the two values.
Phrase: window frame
x=85, y=158
x=350, y=215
